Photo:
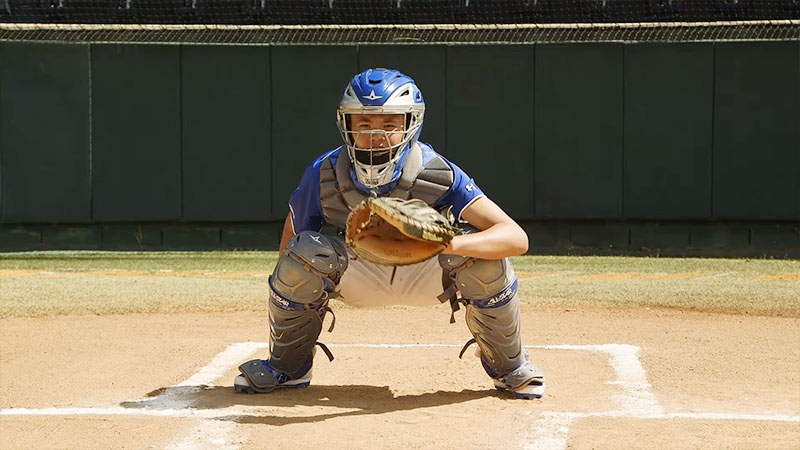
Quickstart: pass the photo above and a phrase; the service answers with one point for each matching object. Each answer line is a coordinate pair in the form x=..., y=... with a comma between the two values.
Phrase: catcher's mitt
x=396, y=232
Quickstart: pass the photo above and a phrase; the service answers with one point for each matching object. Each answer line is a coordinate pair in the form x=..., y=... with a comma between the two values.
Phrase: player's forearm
x=498, y=241
x=288, y=232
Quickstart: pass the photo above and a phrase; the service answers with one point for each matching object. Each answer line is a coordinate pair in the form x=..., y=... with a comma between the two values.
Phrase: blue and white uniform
x=368, y=284
x=306, y=207
x=384, y=157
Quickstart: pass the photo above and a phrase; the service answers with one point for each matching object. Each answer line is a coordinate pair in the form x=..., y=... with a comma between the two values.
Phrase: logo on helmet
x=372, y=96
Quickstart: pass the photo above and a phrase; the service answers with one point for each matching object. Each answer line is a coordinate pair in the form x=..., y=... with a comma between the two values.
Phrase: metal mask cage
x=374, y=166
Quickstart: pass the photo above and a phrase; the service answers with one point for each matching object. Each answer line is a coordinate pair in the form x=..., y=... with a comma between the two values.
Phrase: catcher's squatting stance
x=380, y=118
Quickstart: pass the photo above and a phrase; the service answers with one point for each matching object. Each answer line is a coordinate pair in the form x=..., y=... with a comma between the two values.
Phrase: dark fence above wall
x=103, y=135
x=268, y=12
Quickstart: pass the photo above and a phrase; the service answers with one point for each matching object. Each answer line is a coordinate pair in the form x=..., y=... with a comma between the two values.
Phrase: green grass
x=599, y=264
x=719, y=285
x=232, y=261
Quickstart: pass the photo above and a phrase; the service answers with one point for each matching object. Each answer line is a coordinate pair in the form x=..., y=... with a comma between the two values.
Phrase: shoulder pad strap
x=327, y=180
x=352, y=197
x=334, y=208
x=434, y=181
x=343, y=171
x=412, y=169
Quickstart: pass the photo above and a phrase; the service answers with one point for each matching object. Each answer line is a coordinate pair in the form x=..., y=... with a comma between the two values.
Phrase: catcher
x=361, y=187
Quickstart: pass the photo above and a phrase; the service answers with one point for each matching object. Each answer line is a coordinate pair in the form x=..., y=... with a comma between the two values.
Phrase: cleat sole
x=525, y=396
x=247, y=389
x=527, y=392
x=243, y=389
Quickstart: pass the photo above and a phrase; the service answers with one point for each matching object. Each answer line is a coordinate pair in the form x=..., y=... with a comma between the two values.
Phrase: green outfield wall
x=685, y=149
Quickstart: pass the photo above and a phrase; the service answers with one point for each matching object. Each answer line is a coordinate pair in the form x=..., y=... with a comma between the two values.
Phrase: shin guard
x=494, y=324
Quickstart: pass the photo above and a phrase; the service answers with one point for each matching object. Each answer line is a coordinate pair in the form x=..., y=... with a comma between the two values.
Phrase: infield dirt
x=697, y=363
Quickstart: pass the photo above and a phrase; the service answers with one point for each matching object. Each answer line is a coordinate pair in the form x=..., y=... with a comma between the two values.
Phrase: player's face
x=365, y=126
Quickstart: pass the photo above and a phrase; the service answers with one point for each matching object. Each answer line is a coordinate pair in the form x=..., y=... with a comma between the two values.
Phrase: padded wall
x=669, y=110
x=578, y=165
x=225, y=126
x=490, y=132
x=307, y=85
x=44, y=133
x=757, y=131
x=608, y=132
x=136, y=133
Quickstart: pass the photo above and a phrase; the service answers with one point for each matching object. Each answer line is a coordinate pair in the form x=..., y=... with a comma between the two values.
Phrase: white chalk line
x=222, y=362
x=552, y=430
x=207, y=435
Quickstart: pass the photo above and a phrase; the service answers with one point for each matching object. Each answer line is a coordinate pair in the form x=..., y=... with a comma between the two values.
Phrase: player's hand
x=450, y=249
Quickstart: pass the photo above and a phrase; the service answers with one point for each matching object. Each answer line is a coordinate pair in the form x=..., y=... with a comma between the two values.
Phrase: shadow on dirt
x=349, y=400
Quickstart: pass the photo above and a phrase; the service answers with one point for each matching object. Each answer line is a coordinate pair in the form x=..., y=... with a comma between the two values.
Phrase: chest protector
x=339, y=195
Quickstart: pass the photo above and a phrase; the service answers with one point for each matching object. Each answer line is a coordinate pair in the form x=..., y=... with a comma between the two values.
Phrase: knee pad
x=310, y=267
x=478, y=279
x=305, y=277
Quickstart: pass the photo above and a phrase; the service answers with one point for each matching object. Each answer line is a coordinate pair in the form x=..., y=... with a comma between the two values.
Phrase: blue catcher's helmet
x=380, y=91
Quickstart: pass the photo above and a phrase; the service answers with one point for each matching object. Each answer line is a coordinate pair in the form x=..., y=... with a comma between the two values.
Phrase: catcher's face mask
x=376, y=140
x=379, y=117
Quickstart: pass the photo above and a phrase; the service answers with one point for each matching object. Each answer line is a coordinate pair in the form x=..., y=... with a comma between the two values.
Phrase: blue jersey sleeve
x=304, y=203
x=463, y=192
